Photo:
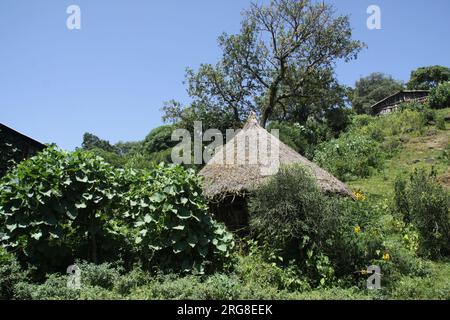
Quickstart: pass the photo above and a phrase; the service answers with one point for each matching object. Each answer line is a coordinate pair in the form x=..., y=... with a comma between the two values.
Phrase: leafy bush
x=425, y=204
x=306, y=226
x=434, y=285
x=350, y=156
x=440, y=96
x=104, y=275
x=173, y=228
x=132, y=280
x=303, y=138
x=56, y=206
x=10, y=274
x=258, y=271
x=54, y=288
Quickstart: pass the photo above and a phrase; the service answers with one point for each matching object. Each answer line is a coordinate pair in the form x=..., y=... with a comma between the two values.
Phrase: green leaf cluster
x=173, y=228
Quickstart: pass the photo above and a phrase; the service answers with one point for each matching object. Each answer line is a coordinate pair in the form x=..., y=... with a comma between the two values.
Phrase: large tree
x=285, y=52
x=371, y=89
x=428, y=77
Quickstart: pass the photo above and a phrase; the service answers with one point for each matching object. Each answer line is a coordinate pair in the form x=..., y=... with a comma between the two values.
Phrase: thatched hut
x=228, y=183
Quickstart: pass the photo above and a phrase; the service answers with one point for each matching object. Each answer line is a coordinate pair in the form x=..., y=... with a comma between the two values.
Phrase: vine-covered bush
x=425, y=204
x=55, y=207
x=173, y=228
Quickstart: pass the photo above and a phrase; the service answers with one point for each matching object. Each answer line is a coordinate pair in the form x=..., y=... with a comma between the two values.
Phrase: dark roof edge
x=33, y=141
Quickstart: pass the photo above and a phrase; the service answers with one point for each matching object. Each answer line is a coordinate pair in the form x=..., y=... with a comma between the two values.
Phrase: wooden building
x=26, y=146
x=392, y=102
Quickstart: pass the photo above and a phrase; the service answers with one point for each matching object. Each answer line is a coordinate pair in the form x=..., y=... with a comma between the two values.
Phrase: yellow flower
x=359, y=196
x=386, y=256
x=357, y=229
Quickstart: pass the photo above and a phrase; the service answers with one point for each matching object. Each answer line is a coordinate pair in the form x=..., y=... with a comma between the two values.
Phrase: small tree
x=440, y=96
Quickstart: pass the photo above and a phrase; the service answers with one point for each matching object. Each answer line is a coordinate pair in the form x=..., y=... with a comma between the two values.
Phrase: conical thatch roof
x=223, y=177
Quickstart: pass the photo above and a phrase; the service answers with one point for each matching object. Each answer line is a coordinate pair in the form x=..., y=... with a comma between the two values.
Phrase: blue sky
x=112, y=76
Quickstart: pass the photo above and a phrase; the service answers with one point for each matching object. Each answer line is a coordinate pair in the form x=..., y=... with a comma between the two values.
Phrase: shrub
x=132, y=280
x=257, y=270
x=440, y=96
x=55, y=207
x=54, y=288
x=104, y=275
x=306, y=226
x=434, y=285
x=173, y=228
x=10, y=274
x=425, y=204
x=350, y=156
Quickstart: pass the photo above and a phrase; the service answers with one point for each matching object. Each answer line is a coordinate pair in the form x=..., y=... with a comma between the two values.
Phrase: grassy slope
x=416, y=152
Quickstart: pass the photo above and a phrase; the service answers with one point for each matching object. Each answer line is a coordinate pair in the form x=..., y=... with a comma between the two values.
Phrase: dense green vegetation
x=304, y=245
x=57, y=207
x=428, y=77
x=139, y=228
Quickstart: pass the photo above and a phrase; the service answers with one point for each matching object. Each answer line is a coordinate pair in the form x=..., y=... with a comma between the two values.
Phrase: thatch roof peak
x=226, y=174
x=252, y=120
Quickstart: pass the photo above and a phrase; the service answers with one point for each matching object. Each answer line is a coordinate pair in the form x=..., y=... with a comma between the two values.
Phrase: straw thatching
x=236, y=178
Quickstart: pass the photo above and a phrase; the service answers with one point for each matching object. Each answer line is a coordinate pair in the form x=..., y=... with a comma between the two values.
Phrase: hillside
x=427, y=151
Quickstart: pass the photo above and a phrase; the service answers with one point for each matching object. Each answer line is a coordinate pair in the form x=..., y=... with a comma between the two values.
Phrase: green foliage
x=445, y=155
x=306, y=226
x=371, y=89
x=54, y=288
x=350, y=156
x=10, y=274
x=425, y=204
x=433, y=286
x=260, y=268
x=91, y=141
x=362, y=150
x=159, y=139
x=113, y=158
x=56, y=206
x=428, y=77
x=440, y=96
x=302, y=138
x=127, y=148
x=440, y=123
x=104, y=275
x=174, y=229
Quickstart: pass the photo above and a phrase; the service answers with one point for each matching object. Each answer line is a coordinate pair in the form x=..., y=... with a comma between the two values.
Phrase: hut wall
x=233, y=212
